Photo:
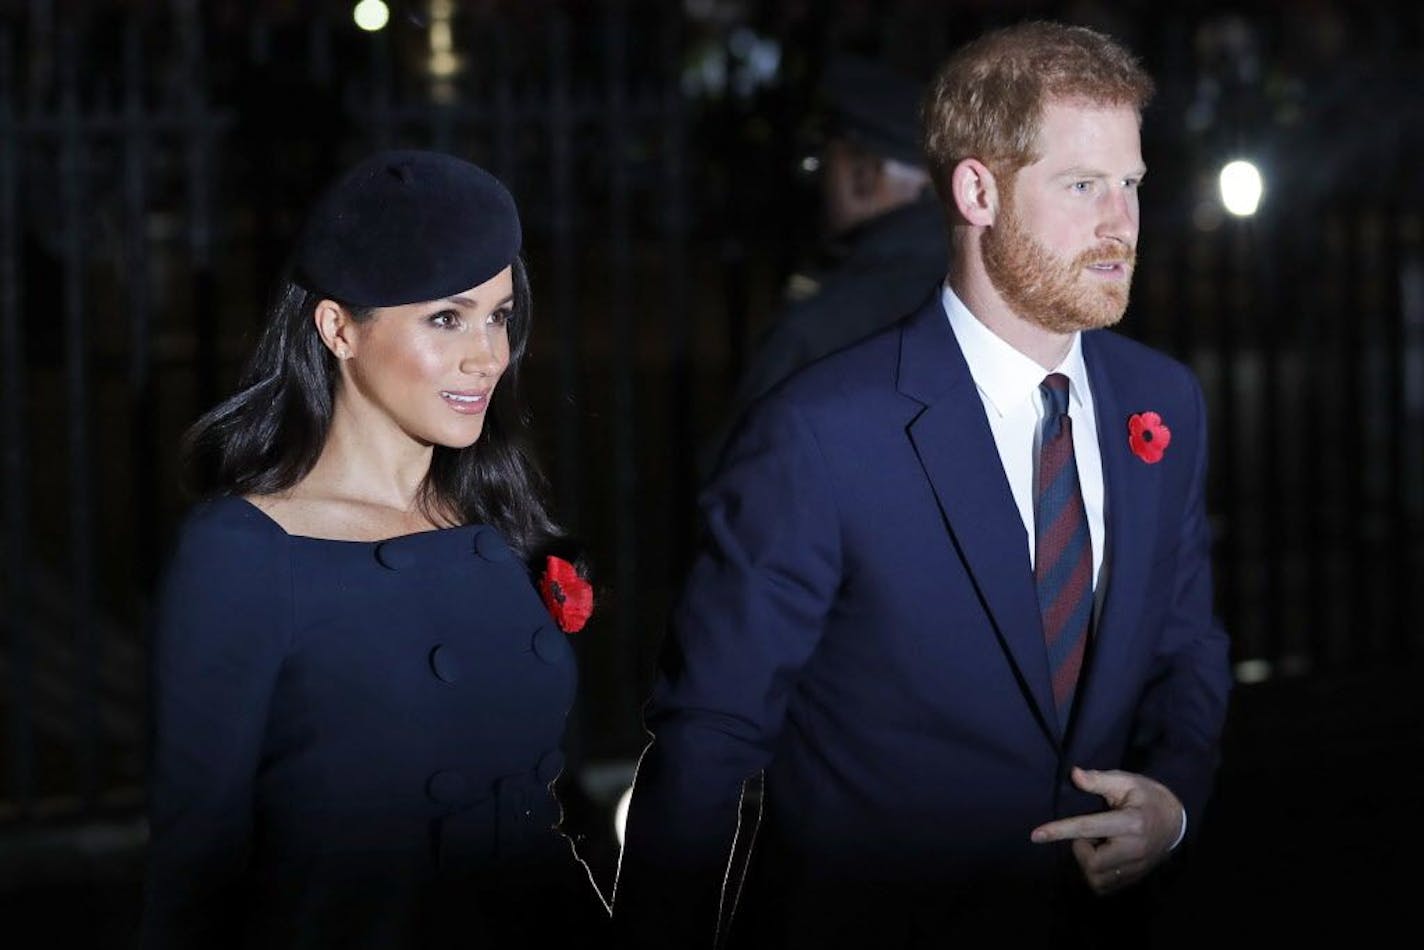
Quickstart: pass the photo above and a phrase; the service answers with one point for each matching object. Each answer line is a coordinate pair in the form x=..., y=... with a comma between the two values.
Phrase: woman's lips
x=467, y=402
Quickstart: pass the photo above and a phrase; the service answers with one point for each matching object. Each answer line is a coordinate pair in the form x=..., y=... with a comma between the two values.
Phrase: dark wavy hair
x=267, y=436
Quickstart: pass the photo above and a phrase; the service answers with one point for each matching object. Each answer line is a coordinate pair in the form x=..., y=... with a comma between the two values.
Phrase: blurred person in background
x=883, y=233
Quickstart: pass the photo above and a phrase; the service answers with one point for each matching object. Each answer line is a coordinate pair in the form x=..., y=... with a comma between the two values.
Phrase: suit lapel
x=1132, y=490
x=955, y=446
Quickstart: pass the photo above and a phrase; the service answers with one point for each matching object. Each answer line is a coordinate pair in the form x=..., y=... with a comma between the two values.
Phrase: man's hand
x=1119, y=846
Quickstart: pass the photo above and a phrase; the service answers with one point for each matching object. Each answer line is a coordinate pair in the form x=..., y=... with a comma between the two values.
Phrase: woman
x=359, y=696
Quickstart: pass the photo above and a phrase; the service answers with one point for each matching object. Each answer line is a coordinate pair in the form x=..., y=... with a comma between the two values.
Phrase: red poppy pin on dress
x=568, y=596
x=1148, y=437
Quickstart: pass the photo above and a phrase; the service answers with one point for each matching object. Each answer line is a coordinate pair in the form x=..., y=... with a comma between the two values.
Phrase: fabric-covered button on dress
x=345, y=734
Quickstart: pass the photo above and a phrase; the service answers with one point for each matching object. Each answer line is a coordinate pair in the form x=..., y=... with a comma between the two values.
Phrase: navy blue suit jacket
x=861, y=624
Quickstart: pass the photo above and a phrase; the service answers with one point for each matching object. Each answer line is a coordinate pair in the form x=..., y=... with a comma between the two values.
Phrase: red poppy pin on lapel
x=1148, y=437
x=568, y=596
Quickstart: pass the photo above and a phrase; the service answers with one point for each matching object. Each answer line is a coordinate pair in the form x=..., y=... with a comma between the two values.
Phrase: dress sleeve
x=222, y=627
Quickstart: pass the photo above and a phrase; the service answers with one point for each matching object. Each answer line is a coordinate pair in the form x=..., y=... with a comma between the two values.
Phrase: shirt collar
x=1005, y=376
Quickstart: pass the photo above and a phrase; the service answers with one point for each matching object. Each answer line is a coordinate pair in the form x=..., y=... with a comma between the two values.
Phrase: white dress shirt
x=1008, y=384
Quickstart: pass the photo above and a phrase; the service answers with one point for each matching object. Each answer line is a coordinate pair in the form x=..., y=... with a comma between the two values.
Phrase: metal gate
x=155, y=160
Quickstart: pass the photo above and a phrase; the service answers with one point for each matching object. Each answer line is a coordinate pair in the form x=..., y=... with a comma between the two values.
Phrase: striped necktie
x=1063, y=549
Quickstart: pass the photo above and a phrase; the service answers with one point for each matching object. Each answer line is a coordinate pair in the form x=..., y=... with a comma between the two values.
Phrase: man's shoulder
x=1124, y=355
x=838, y=394
x=1138, y=378
x=854, y=370
x=841, y=409
x=847, y=308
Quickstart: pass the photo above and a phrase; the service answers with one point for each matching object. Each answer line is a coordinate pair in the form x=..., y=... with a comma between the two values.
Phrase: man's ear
x=336, y=328
x=975, y=192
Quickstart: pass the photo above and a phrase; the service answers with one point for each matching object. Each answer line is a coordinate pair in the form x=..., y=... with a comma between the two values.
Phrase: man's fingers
x=1099, y=825
x=1117, y=847
x=1109, y=868
x=1112, y=785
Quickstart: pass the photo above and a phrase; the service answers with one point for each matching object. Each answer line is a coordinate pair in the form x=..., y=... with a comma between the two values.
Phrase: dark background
x=156, y=157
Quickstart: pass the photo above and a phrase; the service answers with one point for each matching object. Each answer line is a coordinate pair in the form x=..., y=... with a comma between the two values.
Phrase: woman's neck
x=370, y=461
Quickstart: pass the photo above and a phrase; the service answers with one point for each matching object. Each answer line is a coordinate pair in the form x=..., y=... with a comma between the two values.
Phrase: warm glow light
x=620, y=814
x=1241, y=188
x=444, y=62
x=371, y=15
x=1253, y=671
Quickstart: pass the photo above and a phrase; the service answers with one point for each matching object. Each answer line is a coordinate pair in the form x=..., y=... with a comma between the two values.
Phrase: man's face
x=1062, y=248
x=842, y=202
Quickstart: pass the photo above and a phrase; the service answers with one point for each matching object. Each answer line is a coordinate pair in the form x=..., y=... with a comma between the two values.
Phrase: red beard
x=1044, y=289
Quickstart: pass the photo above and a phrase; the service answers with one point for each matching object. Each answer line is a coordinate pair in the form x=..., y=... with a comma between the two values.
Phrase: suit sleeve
x=220, y=634
x=1183, y=709
x=751, y=612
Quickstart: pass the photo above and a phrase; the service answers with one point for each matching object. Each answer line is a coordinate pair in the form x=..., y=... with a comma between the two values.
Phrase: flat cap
x=873, y=105
x=403, y=226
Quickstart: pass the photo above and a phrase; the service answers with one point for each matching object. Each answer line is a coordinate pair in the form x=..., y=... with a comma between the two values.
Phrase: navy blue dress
x=354, y=743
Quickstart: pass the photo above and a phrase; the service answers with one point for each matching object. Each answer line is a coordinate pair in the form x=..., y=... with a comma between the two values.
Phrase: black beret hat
x=874, y=106
x=406, y=226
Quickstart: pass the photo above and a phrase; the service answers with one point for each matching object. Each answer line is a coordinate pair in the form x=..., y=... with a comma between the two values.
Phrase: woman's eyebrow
x=463, y=301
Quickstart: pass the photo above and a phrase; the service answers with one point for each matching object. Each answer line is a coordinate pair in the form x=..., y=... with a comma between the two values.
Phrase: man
x=954, y=594
x=884, y=231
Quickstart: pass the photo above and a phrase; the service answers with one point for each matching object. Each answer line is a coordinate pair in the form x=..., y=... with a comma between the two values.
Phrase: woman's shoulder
x=227, y=531
x=229, y=516
x=227, y=579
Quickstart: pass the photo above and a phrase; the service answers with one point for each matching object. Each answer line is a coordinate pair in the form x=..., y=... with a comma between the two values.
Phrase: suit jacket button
x=444, y=664
x=448, y=787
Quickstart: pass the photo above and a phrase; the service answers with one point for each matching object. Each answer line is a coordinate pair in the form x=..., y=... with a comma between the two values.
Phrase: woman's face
x=431, y=368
